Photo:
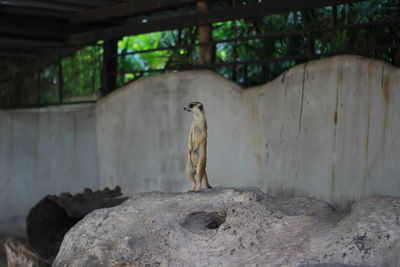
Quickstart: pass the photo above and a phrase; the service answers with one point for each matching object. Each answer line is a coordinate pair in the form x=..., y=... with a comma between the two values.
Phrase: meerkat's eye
x=191, y=105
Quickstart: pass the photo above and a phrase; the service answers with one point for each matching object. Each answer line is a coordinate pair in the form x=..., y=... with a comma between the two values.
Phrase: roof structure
x=32, y=27
x=37, y=36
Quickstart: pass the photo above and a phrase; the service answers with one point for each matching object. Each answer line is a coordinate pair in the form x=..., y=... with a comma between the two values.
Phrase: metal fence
x=250, y=58
x=237, y=69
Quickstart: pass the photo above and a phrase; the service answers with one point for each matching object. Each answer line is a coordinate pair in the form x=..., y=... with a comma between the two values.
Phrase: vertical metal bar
x=310, y=44
x=234, y=52
x=120, y=58
x=106, y=57
x=17, y=96
x=310, y=36
x=61, y=82
x=179, y=36
x=38, y=88
x=110, y=64
x=264, y=71
x=234, y=72
x=245, y=75
x=334, y=16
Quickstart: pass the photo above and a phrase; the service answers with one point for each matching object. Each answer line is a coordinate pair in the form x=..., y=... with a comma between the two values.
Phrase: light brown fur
x=197, y=148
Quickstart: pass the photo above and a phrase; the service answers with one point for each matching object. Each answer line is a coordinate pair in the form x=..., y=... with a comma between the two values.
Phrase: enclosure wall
x=44, y=151
x=329, y=129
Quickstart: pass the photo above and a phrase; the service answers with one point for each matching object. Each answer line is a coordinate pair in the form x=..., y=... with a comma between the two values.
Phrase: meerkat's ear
x=201, y=107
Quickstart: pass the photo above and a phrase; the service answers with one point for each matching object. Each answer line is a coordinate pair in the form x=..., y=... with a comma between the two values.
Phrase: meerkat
x=196, y=157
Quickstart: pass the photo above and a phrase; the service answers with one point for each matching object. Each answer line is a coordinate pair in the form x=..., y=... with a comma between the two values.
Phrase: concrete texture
x=234, y=227
x=328, y=129
x=43, y=151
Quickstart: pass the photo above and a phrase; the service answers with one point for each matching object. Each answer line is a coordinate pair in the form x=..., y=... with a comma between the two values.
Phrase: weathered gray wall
x=44, y=151
x=340, y=139
x=329, y=129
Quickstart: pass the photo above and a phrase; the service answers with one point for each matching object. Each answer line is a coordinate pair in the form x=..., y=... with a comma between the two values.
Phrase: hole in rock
x=203, y=221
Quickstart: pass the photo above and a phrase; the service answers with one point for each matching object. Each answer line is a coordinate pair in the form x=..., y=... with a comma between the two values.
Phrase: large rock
x=234, y=227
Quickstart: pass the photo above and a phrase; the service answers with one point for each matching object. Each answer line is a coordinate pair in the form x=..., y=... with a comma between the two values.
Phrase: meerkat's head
x=196, y=107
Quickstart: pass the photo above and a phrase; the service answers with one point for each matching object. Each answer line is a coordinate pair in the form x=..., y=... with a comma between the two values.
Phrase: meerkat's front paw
x=198, y=190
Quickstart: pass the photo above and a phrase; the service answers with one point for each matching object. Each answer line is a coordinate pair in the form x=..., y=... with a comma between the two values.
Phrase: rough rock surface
x=234, y=227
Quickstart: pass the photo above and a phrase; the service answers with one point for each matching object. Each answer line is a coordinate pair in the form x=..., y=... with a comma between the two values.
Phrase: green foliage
x=256, y=49
x=276, y=50
x=133, y=64
x=273, y=54
x=82, y=72
x=247, y=61
x=49, y=85
x=29, y=90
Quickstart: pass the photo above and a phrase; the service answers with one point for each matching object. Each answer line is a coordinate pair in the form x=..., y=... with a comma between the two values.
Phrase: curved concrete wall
x=328, y=128
x=44, y=151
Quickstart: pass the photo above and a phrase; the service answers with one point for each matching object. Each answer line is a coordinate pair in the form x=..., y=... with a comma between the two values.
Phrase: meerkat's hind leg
x=200, y=171
x=200, y=174
x=201, y=166
x=191, y=178
x=190, y=171
x=206, y=180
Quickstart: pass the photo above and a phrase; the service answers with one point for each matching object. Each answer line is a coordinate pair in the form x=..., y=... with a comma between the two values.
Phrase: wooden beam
x=21, y=35
x=223, y=14
x=34, y=12
x=43, y=5
x=32, y=27
x=25, y=42
x=110, y=64
x=29, y=32
x=27, y=21
x=18, y=54
x=95, y=3
x=205, y=35
x=125, y=9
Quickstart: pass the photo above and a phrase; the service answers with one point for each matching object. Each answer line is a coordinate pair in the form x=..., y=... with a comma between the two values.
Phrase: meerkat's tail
x=206, y=180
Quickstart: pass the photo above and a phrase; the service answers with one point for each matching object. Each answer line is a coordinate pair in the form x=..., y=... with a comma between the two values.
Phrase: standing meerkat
x=197, y=147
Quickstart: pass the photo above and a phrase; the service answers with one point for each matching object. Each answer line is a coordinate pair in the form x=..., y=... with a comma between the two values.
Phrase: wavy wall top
x=327, y=128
